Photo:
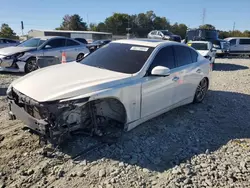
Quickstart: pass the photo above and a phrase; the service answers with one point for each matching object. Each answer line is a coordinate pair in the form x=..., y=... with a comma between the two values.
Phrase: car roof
x=204, y=42
x=144, y=42
x=236, y=38
x=50, y=37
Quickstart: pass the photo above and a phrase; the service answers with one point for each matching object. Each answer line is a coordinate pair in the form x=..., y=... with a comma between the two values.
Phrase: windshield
x=199, y=46
x=124, y=58
x=166, y=32
x=35, y=42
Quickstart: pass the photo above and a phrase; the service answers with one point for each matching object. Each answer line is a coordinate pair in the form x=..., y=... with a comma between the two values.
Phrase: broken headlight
x=15, y=56
x=9, y=91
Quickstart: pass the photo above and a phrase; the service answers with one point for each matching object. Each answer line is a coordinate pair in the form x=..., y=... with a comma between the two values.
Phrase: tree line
x=138, y=25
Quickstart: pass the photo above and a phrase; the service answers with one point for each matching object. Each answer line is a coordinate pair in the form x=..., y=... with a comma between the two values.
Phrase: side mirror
x=47, y=47
x=160, y=71
x=213, y=49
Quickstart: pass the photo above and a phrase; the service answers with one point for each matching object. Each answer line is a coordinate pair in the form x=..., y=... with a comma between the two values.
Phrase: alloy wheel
x=201, y=90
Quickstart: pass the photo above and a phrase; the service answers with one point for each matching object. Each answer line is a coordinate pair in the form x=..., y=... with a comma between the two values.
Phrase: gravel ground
x=204, y=145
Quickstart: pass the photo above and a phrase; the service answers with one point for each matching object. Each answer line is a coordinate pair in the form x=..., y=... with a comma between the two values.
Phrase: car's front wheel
x=30, y=65
x=201, y=91
x=80, y=57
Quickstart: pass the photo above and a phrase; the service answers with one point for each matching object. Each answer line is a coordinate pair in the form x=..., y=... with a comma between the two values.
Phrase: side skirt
x=134, y=124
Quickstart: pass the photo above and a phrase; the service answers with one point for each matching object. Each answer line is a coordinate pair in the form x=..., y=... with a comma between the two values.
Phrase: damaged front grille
x=25, y=102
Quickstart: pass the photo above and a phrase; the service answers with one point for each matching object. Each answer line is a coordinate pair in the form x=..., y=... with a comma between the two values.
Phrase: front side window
x=245, y=41
x=232, y=42
x=200, y=46
x=124, y=58
x=71, y=43
x=165, y=58
x=56, y=43
x=34, y=42
x=182, y=55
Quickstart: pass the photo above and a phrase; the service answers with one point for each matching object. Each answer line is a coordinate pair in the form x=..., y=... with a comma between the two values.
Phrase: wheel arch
x=111, y=107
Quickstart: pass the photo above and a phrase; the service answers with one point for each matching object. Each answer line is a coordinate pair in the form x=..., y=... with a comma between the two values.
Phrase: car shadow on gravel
x=175, y=136
x=228, y=67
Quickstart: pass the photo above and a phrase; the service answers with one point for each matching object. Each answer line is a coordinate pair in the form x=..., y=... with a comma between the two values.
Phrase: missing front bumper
x=39, y=126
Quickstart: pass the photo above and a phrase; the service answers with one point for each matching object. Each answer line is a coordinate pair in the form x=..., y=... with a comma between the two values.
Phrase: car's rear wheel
x=30, y=65
x=80, y=57
x=201, y=91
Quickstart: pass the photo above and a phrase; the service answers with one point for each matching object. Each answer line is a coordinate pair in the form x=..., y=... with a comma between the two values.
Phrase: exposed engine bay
x=55, y=121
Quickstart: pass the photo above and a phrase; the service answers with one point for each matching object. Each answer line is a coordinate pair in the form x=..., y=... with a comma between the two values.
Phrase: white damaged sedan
x=126, y=81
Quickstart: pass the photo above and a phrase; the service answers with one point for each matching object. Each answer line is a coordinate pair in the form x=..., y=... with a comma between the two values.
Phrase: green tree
x=207, y=26
x=102, y=27
x=117, y=23
x=161, y=23
x=73, y=22
x=7, y=32
x=179, y=29
x=93, y=27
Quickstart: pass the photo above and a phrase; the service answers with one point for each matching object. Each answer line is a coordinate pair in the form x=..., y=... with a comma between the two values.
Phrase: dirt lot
x=204, y=145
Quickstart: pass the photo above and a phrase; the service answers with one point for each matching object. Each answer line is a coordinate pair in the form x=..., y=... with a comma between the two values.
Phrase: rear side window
x=82, y=40
x=71, y=43
x=57, y=43
x=165, y=58
x=182, y=55
x=232, y=42
x=194, y=55
x=245, y=41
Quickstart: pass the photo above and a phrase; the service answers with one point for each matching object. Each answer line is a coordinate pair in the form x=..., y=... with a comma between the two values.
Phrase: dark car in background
x=8, y=42
x=97, y=44
x=164, y=34
x=82, y=40
x=211, y=35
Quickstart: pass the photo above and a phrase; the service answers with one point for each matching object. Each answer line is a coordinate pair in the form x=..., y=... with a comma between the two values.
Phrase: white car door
x=187, y=73
x=55, y=47
x=157, y=91
x=234, y=46
x=244, y=45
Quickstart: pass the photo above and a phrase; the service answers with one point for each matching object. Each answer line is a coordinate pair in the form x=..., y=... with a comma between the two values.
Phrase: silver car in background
x=22, y=58
x=8, y=42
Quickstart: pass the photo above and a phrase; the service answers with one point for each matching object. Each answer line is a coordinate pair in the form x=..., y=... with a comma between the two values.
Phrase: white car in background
x=8, y=42
x=126, y=81
x=22, y=58
x=205, y=48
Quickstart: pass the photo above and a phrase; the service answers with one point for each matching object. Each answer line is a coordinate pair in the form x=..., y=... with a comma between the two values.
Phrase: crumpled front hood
x=67, y=80
x=14, y=49
x=203, y=52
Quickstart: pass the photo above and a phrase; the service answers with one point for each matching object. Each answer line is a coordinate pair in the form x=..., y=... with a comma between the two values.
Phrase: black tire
x=201, y=91
x=30, y=65
x=79, y=57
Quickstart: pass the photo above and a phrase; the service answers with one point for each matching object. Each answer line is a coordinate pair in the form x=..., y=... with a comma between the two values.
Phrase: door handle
x=198, y=71
x=175, y=78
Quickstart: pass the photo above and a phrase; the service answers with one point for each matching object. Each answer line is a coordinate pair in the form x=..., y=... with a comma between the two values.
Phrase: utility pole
x=128, y=29
x=203, y=16
x=88, y=19
x=22, y=27
x=233, y=29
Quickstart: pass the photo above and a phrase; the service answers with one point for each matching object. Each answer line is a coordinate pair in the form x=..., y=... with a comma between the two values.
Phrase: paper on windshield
x=137, y=48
